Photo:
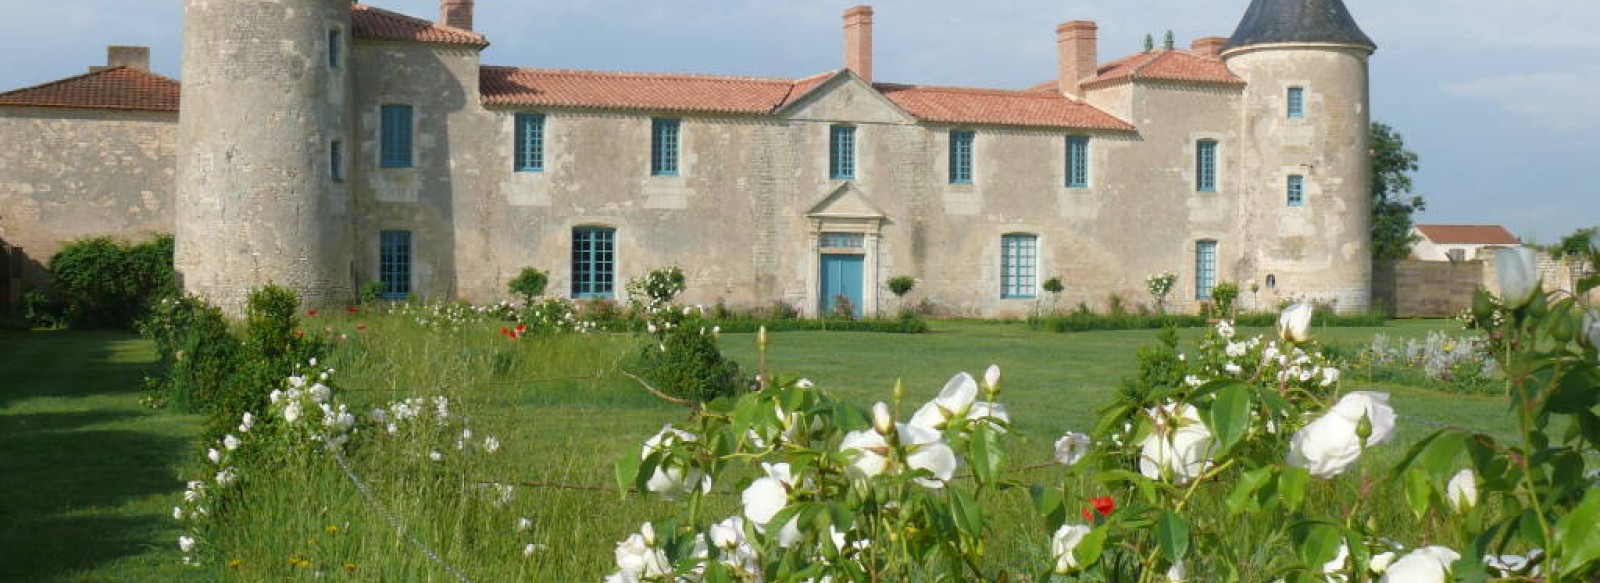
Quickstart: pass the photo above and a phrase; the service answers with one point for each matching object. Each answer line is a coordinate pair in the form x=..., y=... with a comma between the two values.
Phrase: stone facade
x=752, y=204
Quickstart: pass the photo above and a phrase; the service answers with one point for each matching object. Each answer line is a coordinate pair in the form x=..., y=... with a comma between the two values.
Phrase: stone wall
x=68, y=174
x=1425, y=289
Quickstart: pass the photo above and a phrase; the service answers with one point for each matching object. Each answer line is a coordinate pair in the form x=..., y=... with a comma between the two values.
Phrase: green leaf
x=1229, y=415
x=627, y=470
x=1576, y=392
x=1419, y=491
x=1577, y=538
x=967, y=514
x=1049, y=504
x=1439, y=458
x=1173, y=535
x=1243, y=497
x=1589, y=425
x=1317, y=543
x=987, y=455
x=1292, y=487
x=1088, y=550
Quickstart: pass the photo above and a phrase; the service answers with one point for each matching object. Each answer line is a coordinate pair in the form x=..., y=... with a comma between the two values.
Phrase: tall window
x=1019, y=266
x=663, y=148
x=1297, y=190
x=394, y=264
x=1205, y=269
x=1297, y=102
x=1205, y=166
x=842, y=152
x=529, y=142
x=1078, y=161
x=335, y=44
x=394, y=137
x=961, y=156
x=594, y=261
x=336, y=160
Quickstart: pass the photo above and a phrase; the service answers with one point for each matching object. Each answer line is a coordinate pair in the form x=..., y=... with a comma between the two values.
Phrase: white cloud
x=1557, y=99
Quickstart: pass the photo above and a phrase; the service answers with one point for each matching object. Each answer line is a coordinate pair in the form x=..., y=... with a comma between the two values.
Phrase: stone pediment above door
x=847, y=203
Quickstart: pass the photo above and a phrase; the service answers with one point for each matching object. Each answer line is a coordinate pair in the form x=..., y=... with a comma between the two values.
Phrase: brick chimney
x=133, y=57
x=858, y=41
x=1210, y=46
x=456, y=13
x=1076, y=55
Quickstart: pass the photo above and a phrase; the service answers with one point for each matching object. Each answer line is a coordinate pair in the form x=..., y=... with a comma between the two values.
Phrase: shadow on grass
x=79, y=457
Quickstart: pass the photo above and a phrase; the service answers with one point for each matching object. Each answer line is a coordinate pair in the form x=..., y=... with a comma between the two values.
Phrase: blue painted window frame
x=1297, y=102
x=394, y=136
x=1078, y=161
x=1205, y=166
x=336, y=160
x=394, y=264
x=335, y=45
x=1297, y=190
x=664, y=146
x=1205, y=269
x=842, y=152
x=594, y=262
x=1019, y=266
x=842, y=241
x=529, y=144
x=961, y=156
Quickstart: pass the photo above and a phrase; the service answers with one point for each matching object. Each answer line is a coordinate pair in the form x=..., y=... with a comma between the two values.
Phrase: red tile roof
x=379, y=24
x=999, y=107
x=508, y=86
x=1165, y=65
x=1468, y=234
x=119, y=88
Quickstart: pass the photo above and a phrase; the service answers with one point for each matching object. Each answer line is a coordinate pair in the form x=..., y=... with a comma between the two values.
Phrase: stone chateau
x=323, y=145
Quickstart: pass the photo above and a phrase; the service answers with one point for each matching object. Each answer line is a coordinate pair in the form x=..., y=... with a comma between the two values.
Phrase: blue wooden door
x=841, y=276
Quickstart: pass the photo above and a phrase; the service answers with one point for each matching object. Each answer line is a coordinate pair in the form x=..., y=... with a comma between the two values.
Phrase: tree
x=1392, y=165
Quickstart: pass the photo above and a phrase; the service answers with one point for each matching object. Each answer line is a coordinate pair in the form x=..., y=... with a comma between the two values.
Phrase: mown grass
x=564, y=413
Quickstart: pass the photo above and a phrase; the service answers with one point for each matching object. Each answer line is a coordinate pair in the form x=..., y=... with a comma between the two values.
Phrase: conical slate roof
x=1298, y=21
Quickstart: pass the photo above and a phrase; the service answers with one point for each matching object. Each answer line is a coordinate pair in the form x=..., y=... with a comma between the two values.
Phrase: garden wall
x=1426, y=289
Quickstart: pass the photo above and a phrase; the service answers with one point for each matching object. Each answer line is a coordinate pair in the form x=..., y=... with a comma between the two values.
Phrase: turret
x=262, y=137
x=1305, y=162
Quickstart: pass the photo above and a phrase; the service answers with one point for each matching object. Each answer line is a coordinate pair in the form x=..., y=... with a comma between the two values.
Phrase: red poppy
x=311, y=312
x=1103, y=506
x=504, y=331
x=522, y=328
x=299, y=333
x=361, y=326
x=354, y=309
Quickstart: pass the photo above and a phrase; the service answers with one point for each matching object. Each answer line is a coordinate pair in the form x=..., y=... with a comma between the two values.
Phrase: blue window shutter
x=1297, y=190
x=395, y=137
x=335, y=45
x=842, y=152
x=1078, y=162
x=593, y=262
x=336, y=160
x=394, y=264
x=1205, y=269
x=1205, y=178
x=529, y=142
x=961, y=156
x=1019, y=266
x=1297, y=102
x=664, y=147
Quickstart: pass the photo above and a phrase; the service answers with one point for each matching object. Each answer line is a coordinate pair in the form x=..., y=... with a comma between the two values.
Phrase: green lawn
x=91, y=476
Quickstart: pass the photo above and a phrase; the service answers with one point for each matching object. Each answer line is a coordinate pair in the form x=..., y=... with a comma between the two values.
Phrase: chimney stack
x=858, y=41
x=132, y=57
x=1210, y=46
x=456, y=13
x=1076, y=58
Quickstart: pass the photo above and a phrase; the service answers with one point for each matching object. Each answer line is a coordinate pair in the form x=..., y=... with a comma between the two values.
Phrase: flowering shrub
x=1159, y=285
x=828, y=492
x=682, y=359
x=658, y=287
x=1462, y=364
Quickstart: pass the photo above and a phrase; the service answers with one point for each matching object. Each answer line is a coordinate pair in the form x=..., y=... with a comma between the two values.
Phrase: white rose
x=1329, y=446
x=1591, y=323
x=230, y=442
x=1180, y=447
x=1462, y=491
x=925, y=449
x=1072, y=448
x=672, y=480
x=1517, y=268
x=1424, y=565
x=1177, y=573
x=185, y=544
x=1294, y=324
x=991, y=377
x=214, y=455
x=1380, y=562
x=953, y=401
x=291, y=413
x=766, y=497
x=1062, y=545
x=636, y=558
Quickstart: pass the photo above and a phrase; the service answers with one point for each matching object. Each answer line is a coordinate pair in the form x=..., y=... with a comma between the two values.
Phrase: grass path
x=87, y=472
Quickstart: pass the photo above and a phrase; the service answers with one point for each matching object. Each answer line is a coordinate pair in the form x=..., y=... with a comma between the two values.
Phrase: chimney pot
x=125, y=56
x=858, y=41
x=1076, y=48
x=1210, y=46
x=456, y=13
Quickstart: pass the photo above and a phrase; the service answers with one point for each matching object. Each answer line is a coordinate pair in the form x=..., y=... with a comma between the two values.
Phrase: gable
x=845, y=98
x=846, y=201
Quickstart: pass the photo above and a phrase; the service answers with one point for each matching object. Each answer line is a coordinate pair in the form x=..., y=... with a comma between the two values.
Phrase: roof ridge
x=651, y=75
x=1035, y=93
x=419, y=21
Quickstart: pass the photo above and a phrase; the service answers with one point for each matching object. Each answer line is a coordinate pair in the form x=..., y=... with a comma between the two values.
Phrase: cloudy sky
x=1501, y=98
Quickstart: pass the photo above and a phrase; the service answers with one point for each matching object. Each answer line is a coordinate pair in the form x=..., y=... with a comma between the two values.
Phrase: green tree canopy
x=1392, y=201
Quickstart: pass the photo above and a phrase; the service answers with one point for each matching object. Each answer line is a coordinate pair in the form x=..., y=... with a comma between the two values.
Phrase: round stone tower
x=261, y=145
x=1305, y=162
